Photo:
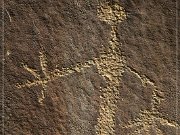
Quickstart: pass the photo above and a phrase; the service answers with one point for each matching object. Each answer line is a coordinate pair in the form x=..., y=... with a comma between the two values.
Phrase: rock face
x=89, y=67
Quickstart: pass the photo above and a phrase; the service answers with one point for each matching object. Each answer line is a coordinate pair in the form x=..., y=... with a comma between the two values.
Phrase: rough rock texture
x=89, y=67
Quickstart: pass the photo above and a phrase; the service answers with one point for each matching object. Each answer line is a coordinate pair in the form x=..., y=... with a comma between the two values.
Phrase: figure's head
x=112, y=14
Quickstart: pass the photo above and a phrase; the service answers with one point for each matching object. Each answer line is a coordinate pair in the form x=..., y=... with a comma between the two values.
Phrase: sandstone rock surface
x=90, y=67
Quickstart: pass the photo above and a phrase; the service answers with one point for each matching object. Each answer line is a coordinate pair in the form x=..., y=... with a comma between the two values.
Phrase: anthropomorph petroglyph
x=112, y=67
x=110, y=64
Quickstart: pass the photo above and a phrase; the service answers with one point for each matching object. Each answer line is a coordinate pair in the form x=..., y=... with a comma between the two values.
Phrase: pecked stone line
x=110, y=65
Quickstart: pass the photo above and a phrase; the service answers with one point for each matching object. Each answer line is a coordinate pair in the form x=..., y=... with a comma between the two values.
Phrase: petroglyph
x=8, y=15
x=8, y=52
x=112, y=14
x=39, y=81
x=149, y=120
x=157, y=95
x=144, y=79
x=111, y=66
x=50, y=76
